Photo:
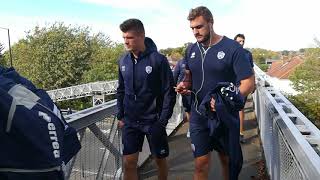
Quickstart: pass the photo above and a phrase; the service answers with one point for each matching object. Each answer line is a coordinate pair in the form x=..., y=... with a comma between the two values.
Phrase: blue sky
x=269, y=24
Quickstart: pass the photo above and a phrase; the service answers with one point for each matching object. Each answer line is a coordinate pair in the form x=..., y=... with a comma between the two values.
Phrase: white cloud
x=272, y=24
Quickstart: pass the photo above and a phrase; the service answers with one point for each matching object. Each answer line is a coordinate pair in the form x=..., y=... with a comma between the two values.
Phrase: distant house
x=270, y=61
x=280, y=70
x=283, y=68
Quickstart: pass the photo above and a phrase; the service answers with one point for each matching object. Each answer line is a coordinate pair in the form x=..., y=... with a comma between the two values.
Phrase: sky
x=269, y=24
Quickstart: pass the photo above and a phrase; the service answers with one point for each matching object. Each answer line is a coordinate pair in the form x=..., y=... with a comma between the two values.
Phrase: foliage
x=261, y=55
x=53, y=57
x=103, y=62
x=306, y=77
x=76, y=104
x=60, y=56
x=309, y=105
x=175, y=53
x=306, y=80
x=2, y=61
x=263, y=67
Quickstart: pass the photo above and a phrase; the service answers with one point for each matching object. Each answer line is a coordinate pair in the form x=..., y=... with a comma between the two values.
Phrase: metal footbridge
x=97, y=90
x=290, y=142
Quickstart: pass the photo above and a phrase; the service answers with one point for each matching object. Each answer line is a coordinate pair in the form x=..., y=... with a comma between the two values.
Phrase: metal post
x=10, y=48
x=10, y=52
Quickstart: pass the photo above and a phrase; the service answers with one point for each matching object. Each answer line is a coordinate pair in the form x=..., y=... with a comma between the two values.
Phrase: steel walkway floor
x=180, y=159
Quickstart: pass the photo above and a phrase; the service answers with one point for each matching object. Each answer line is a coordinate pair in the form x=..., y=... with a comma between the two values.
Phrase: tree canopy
x=306, y=80
x=306, y=77
x=175, y=53
x=2, y=62
x=60, y=56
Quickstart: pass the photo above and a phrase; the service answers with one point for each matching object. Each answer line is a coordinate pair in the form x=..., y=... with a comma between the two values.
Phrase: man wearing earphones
x=212, y=59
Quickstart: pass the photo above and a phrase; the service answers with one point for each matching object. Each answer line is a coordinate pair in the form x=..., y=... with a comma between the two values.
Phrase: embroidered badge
x=193, y=55
x=163, y=151
x=220, y=55
x=148, y=69
x=123, y=68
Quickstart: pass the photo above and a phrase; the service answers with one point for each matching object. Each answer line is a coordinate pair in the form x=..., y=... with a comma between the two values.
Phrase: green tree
x=309, y=105
x=306, y=77
x=175, y=53
x=261, y=55
x=306, y=80
x=2, y=61
x=60, y=56
x=53, y=57
x=104, y=59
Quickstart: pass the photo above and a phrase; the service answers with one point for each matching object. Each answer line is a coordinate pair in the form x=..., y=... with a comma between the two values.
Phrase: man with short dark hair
x=240, y=38
x=211, y=60
x=145, y=99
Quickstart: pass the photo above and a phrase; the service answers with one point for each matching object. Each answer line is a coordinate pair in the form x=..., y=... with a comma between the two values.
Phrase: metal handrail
x=290, y=141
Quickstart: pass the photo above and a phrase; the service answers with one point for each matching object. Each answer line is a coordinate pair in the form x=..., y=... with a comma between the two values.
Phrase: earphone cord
x=203, y=56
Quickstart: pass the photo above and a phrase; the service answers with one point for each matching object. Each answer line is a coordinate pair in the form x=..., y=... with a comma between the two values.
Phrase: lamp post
x=10, y=53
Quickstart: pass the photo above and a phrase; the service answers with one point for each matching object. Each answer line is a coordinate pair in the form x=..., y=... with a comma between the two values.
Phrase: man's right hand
x=182, y=88
x=120, y=123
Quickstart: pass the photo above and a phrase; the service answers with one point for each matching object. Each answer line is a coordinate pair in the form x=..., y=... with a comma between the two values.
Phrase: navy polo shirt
x=223, y=62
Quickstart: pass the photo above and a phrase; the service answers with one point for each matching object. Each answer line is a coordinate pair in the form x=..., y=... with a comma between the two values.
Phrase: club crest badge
x=220, y=55
x=123, y=68
x=148, y=69
x=193, y=55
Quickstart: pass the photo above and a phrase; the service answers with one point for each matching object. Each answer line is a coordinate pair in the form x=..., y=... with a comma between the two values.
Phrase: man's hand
x=120, y=123
x=182, y=88
x=212, y=104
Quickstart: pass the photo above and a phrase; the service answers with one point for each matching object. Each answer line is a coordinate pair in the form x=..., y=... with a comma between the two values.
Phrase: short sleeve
x=241, y=65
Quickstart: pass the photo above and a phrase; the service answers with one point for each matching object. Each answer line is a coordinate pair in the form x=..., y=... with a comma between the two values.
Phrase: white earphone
x=203, y=56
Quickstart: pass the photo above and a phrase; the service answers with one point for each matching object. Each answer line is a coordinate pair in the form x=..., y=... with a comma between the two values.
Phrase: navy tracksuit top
x=145, y=93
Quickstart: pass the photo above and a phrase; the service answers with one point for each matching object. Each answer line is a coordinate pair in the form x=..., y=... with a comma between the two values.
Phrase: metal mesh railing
x=100, y=156
x=289, y=139
x=290, y=168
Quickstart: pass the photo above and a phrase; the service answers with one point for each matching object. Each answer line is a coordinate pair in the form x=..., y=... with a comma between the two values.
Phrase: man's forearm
x=247, y=86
